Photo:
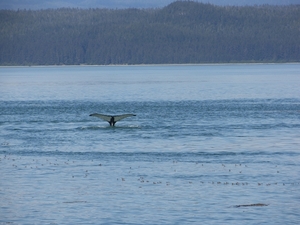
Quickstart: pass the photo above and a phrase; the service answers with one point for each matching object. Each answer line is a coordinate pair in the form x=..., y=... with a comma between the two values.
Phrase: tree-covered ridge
x=182, y=32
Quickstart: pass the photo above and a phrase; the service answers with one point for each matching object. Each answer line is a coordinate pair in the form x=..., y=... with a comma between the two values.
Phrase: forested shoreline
x=182, y=32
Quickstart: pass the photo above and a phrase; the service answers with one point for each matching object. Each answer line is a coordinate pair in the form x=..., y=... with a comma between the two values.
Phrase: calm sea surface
x=213, y=144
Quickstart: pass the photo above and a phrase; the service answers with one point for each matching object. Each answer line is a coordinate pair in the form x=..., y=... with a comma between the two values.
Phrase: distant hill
x=117, y=4
x=182, y=32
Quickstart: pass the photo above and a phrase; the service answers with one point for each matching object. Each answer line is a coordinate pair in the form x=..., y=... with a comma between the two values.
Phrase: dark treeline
x=182, y=32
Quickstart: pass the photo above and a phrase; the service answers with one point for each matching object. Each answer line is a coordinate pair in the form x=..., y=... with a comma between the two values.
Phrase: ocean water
x=213, y=144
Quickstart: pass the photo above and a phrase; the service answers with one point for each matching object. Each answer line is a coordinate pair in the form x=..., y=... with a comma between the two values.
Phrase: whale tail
x=112, y=119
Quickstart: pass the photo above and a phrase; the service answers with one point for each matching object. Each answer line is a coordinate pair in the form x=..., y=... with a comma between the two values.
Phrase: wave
x=108, y=127
x=179, y=155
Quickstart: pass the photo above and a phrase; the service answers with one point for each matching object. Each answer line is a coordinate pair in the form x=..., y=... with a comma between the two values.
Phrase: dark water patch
x=172, y=107
x=75, y=202
x=251, y=205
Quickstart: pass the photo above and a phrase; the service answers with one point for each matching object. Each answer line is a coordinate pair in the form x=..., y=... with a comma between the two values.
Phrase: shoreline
x=156, y=65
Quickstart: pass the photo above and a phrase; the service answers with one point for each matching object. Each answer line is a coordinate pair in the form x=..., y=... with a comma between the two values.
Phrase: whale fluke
x=112, y=119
